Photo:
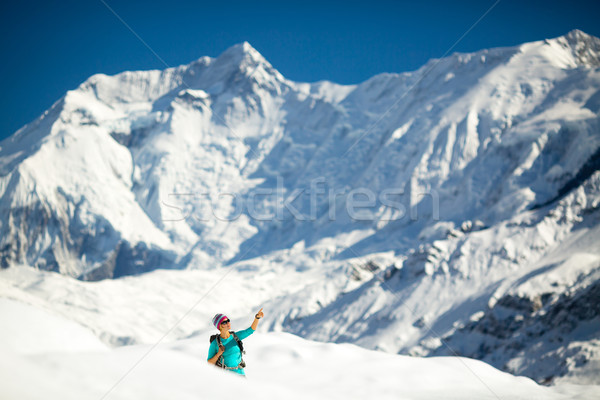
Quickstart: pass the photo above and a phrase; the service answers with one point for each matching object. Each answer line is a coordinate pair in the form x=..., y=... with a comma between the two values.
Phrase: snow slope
x=279, y=365
x=449, y=210
x=224, y=159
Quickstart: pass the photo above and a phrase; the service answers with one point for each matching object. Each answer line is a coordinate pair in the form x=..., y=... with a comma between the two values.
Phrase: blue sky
x=51, y=47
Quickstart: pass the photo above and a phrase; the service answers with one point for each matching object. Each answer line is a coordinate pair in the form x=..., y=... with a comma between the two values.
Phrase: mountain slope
x=193, y=143
x=458, y=201
x=279, y=365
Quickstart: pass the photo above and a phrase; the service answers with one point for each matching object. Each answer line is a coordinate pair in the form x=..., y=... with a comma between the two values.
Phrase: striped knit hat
x=217, y=319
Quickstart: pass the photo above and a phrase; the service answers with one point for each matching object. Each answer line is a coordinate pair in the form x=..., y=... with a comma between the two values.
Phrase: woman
x=225, y=350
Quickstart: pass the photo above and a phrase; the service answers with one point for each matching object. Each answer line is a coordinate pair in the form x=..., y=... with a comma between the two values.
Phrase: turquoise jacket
x=232, y=355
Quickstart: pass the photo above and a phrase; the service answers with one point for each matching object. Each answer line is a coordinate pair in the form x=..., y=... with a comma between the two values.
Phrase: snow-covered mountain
x=453, y=209
x=279, y=366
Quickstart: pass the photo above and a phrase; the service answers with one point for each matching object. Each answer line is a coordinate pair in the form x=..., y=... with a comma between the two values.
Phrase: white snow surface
x=476, y=231
x=279, y=364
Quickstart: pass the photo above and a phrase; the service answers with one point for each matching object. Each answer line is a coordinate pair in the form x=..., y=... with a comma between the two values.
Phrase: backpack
x=220, y=362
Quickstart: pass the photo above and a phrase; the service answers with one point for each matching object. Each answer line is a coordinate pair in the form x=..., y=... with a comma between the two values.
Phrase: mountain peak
x=243, y=60
x=577, y=35
x=586, y=48
x=242, y=54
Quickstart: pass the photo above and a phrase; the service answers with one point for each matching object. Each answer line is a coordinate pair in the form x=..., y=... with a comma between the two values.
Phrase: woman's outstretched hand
x=257, y=317
x=260, y=314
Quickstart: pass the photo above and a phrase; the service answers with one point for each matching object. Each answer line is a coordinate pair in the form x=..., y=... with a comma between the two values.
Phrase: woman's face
x=225, y=325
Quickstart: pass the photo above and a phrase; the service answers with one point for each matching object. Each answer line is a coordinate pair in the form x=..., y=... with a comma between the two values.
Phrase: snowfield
x=63, y=362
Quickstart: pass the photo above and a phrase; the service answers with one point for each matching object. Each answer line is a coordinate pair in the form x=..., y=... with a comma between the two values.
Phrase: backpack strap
x=221, y=361
x=238, y=341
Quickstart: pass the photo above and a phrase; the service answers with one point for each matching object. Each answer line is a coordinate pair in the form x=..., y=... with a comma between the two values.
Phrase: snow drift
x=280, y=365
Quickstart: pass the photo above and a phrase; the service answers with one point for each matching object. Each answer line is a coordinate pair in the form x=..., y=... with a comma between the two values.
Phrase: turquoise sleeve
x=243, y=334
x=212, y=350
